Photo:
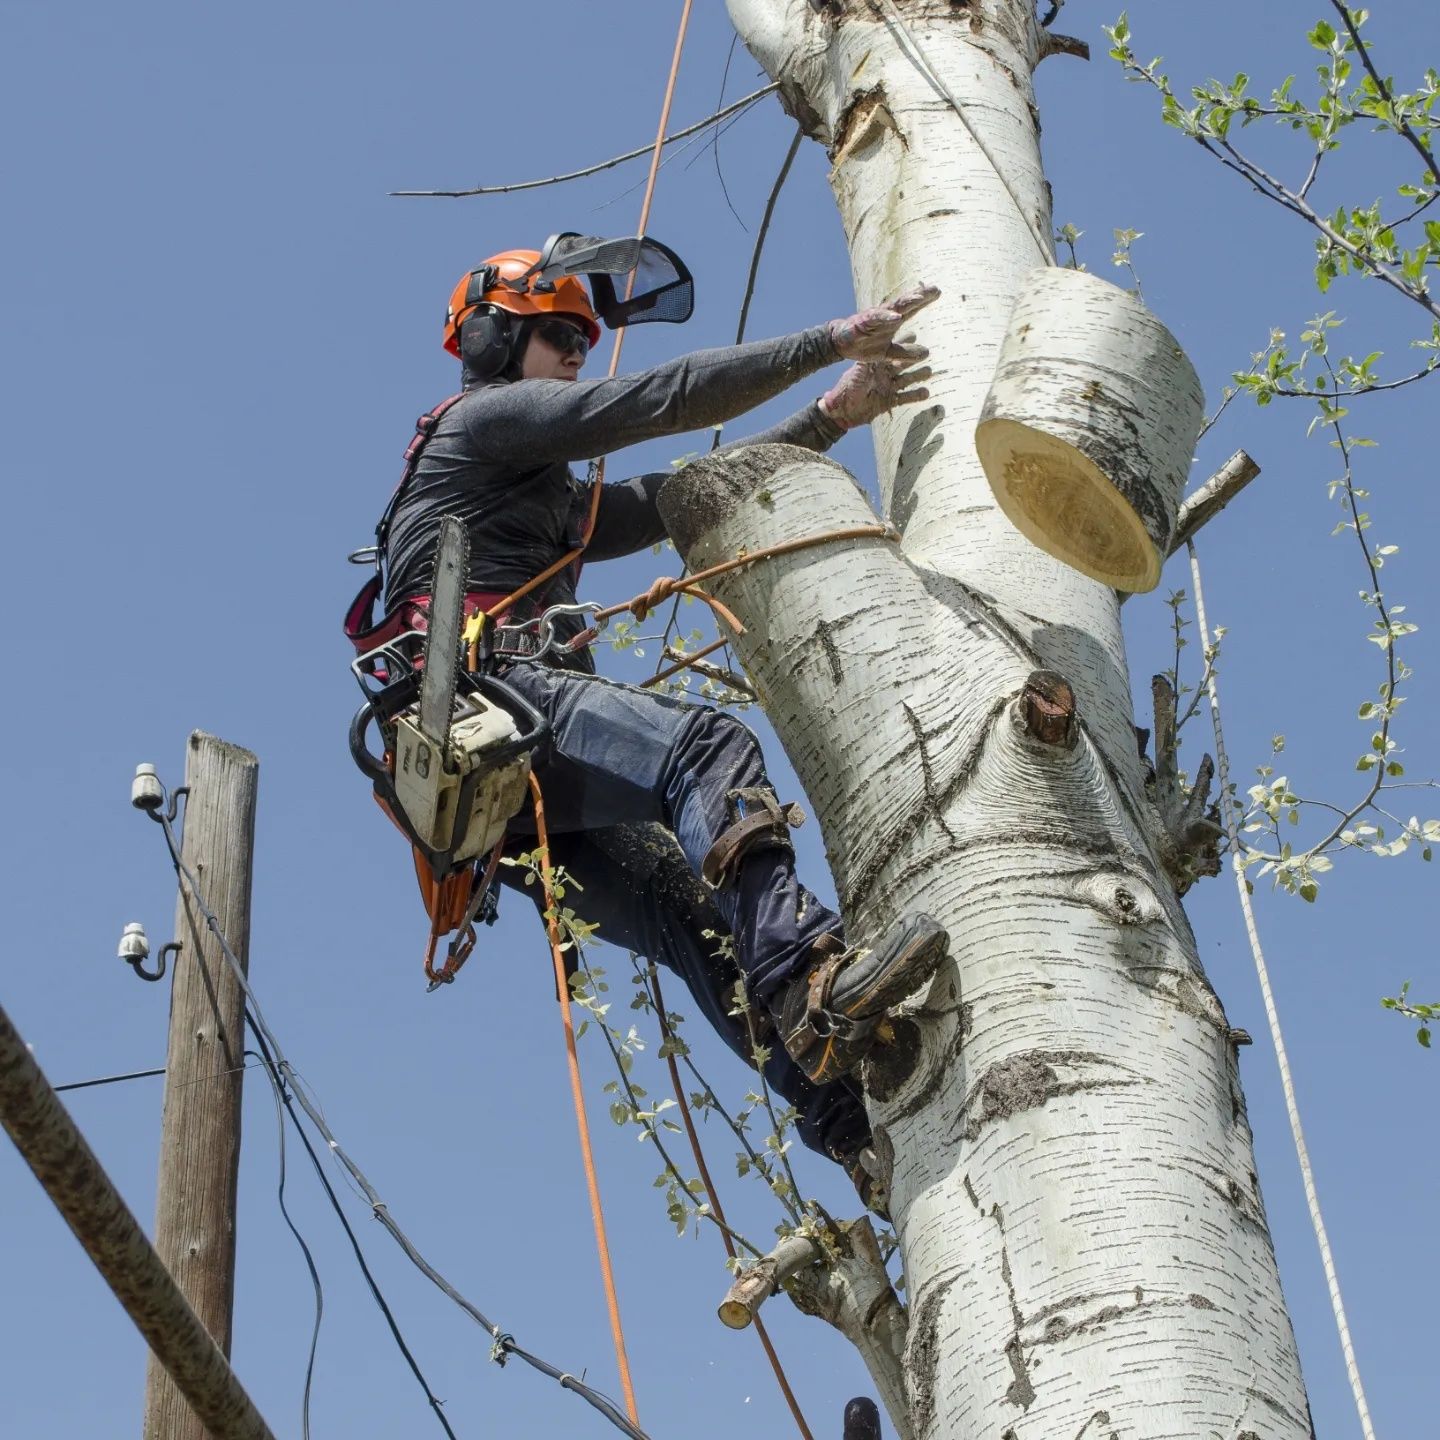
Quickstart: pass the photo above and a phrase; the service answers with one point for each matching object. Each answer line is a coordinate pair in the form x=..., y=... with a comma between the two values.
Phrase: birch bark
x=1073, y=1183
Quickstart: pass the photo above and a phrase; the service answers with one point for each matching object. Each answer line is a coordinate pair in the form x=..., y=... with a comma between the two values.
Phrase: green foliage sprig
x=1399, y=247
x=1425, y=1014
x=1396, y=243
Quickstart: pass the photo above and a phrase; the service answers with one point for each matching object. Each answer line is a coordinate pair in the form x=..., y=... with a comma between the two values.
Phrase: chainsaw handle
x=370, y=764
x=510, y=700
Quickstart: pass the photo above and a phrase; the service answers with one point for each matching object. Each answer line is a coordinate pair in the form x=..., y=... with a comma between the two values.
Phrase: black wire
x=755, y=254
x=504, y=1343
x=145, y=1075
x=715, y=141
x=304, y=1250
x=275, y=1074
x=113, y=1079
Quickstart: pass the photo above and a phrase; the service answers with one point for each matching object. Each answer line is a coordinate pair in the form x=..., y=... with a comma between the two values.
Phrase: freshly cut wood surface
x=1089, y=427
x=1059, y=500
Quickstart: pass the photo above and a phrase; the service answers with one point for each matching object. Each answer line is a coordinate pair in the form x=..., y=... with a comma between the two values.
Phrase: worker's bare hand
x=871, y=334
x=873, y=387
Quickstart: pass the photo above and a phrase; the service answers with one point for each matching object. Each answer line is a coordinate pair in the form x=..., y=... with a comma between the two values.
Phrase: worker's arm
x=629, y=519
x=529, y=422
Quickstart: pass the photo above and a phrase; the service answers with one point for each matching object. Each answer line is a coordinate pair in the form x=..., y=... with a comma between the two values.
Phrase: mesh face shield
x=633, y=281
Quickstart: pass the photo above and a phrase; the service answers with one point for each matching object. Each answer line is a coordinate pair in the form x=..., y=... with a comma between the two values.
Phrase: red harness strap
x=362, y=630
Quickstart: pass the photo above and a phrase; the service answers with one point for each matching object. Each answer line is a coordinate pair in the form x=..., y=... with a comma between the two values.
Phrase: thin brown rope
x=764, y=1335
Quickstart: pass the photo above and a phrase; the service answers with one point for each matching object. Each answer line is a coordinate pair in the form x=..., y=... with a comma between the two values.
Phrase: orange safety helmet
x=505, y=281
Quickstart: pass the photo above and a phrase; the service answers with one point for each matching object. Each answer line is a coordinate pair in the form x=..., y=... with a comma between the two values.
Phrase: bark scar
x=1029, y=1080
x=922, y=1351
x=935, y=803
x=863, y=116
x=927, y=773
x=825, y=639
x=1022, y=1388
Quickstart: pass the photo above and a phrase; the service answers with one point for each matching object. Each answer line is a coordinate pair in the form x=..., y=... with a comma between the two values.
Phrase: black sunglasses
x=566, y=338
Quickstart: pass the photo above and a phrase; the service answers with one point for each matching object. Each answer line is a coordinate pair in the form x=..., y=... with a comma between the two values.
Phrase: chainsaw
x=458, y=746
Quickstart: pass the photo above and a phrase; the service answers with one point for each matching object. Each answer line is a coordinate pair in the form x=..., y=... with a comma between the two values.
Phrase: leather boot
x=863, y=1168
x=828, y=1019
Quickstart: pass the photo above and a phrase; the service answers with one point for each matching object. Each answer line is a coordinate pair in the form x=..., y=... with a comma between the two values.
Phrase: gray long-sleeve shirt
x=499, y=459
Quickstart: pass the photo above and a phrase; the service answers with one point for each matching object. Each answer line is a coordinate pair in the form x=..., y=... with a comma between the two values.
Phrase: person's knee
x=713, y=732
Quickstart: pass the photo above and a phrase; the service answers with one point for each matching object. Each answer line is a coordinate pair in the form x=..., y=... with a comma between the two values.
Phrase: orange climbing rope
x=546, y=873
x=662, y=589
x=577, y=1094
x=597, y=485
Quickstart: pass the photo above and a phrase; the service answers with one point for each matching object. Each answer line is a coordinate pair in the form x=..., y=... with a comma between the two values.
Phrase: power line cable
x=147, y=1074
x=734, y=108
x=504, y=1343
x=133, y=1075
x=274, y=1072
x=304, y=1250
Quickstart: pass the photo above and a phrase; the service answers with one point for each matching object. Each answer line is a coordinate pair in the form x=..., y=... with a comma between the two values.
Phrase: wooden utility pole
x=66, y=1166
x=200, y=1133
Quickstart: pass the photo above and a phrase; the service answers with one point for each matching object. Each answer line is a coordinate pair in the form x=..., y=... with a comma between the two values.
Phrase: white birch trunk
x=1073, y=1182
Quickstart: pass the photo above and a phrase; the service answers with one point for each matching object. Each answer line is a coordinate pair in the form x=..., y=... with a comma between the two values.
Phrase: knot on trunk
x=1046, y=709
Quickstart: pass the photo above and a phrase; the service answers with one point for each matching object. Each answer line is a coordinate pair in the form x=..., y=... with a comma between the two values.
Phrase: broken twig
x=1189, y=821
x=1212, y=497
x=1053, y=44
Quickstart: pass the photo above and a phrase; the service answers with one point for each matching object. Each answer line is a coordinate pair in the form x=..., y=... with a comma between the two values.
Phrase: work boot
x=829, y=1018
x=863, y=1168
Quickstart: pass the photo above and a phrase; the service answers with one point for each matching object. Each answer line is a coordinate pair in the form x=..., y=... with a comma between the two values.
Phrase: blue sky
x=219, y=332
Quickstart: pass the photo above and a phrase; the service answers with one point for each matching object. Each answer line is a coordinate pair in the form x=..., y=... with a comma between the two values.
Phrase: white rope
x=1292, y=1107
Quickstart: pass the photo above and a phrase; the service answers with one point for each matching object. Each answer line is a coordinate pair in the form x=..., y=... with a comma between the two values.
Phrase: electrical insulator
x=146, y=791
x=134, y=946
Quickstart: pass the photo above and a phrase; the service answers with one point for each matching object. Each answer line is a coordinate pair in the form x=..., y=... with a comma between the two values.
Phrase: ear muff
x=487, y=338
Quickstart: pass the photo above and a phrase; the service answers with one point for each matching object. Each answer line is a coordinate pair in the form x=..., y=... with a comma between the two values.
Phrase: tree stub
x=1089, y=427
x=1047, y=707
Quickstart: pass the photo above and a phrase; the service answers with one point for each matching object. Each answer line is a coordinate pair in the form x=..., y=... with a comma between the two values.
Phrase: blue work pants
x=624, y=767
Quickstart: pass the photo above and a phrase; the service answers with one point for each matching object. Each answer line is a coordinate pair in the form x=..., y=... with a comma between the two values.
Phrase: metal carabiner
x=544, y=627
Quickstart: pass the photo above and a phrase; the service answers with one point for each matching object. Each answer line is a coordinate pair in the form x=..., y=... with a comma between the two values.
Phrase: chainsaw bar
x=442, y=639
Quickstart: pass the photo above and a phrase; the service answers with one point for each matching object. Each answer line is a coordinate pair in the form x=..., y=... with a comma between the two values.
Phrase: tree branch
x=1212, y=497
x=731, y=679
x=756, y=1284
x=853, y=1293
x=1369, y=388
x=1047, y=709
x=1190, y=823
x=610, y=164
x=1363, y=51
x=1053, y=44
